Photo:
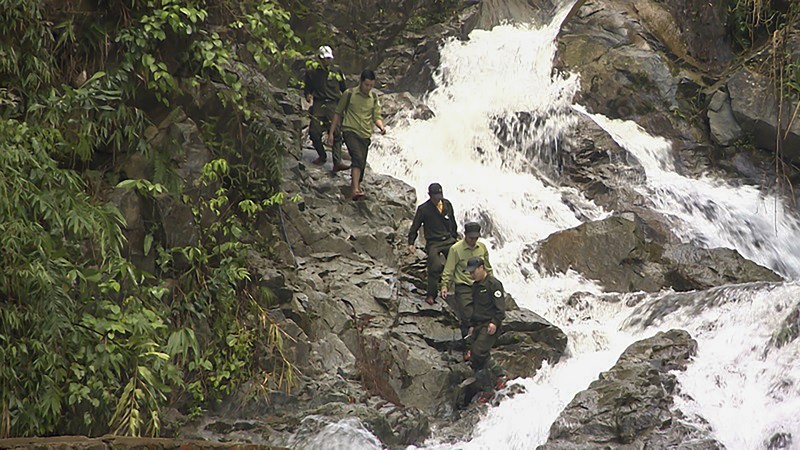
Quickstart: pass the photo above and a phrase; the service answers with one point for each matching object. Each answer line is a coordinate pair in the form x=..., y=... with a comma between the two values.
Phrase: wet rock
x=618, y=254
x=755, y=108
x=496, y=12
x=789, y=330
x=692, y=268
x=725, y=130
x=632, y=404
x=123, y=443
x=612, y=251
x=779, y=441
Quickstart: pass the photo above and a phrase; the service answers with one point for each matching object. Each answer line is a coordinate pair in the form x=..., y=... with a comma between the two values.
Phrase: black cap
x=435, y=188
x=472, y=229
x=473, y=264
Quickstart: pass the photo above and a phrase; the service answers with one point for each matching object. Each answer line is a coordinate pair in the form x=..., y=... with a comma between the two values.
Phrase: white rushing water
x=746, y=388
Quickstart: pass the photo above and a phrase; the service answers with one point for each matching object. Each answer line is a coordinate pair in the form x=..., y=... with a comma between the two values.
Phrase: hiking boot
x=430, y=300
x=319, y=161
x=339, y=167
x=501, y=382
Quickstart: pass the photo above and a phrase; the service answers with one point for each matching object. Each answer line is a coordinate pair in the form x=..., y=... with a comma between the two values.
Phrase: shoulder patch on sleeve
x=498, y=293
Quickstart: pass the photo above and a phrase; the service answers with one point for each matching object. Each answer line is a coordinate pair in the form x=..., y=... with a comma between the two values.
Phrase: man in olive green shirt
x=455, y=273
x=357, y=110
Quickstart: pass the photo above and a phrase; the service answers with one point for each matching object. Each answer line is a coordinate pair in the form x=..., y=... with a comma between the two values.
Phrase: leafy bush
x=89, y=343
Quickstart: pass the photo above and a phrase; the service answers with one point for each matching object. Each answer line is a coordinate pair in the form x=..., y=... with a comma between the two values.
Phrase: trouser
x=358, y=148
x=437, y=255
x=486, y=369
x=321, y=118
x=461, y=302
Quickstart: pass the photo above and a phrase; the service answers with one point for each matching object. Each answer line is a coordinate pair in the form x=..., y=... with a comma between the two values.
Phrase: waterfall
x=500, y=82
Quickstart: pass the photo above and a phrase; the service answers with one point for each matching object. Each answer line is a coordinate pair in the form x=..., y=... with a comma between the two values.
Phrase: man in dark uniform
x=324, y=86
x=441, y=233
x=489, y=310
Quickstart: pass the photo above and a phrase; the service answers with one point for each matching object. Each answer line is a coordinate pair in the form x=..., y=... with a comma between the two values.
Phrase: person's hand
x=329, y=138
x=411, y=249
x=492, y=328
x=444, y=292
x=309, y=98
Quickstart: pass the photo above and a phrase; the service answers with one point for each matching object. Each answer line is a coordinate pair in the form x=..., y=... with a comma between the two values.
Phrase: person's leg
x=355, y=146
x=480, y=359
x=315, y=130
x=355, y=185
x=437, y=252
x=336, y=147
x=367, y=142
x=464, y=306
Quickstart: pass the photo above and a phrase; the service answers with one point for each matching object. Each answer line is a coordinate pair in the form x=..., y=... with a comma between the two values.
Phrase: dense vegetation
x=90, y=342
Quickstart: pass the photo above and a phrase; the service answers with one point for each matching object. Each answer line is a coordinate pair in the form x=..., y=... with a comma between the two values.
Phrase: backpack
x=349, y=94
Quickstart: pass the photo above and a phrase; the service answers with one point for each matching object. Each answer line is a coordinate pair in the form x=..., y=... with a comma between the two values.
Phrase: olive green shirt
x=362, y=112
x=457, y=259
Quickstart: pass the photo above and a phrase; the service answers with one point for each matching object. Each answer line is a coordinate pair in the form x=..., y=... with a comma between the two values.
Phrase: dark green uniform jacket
x=489, y=300
x=325, y=85
x=438, y=226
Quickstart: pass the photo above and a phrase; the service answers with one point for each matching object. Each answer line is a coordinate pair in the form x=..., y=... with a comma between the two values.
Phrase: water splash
x=319, y=433
x=710, y=212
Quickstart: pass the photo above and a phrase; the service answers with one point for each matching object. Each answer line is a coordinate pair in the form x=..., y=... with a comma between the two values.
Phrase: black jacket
x=488, y=301
x=324, y=85
x=438, y=226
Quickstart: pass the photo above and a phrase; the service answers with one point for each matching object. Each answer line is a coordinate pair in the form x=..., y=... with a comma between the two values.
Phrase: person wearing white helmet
x=323, y=86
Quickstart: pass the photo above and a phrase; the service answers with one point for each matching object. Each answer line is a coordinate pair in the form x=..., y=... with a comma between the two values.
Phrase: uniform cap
x=325, y=52
x=472, y=229
x=435, y=188
x=473, y=264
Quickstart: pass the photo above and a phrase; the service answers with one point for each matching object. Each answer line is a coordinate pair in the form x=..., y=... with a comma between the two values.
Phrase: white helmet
x=325, y=52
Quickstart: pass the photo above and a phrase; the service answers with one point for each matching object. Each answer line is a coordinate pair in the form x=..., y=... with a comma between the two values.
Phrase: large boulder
x=619, y=253
x=491, y=13
x=632, y=405
x=646, y=60
x=755, y=108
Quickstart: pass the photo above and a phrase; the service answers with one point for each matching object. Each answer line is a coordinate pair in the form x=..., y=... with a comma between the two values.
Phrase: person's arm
x=499, y=297
x=342, y=85
x=412, y=233
x=486, y=263
x=307, y=87
x=376, y=116
x=453, y=225
x=449, y=269
x=337, y=117
x=334, y=123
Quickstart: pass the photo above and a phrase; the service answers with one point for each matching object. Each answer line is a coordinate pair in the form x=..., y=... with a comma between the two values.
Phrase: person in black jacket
x=441, y=232
x=488, y=313
x=324, y=85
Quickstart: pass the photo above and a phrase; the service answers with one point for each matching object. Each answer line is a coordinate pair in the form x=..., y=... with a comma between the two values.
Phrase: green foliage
x=436, y=11
x=89, y=343
x=69, y=340
x=215, y=291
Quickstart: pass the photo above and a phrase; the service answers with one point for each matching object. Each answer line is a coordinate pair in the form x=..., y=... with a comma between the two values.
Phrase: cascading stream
x=501, y=81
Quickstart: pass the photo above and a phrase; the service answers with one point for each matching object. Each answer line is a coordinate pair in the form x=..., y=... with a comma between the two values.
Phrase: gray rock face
x=755, y=107
x=725, y=130
x=491, y=13
x=616, y=252
x=631, y=405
